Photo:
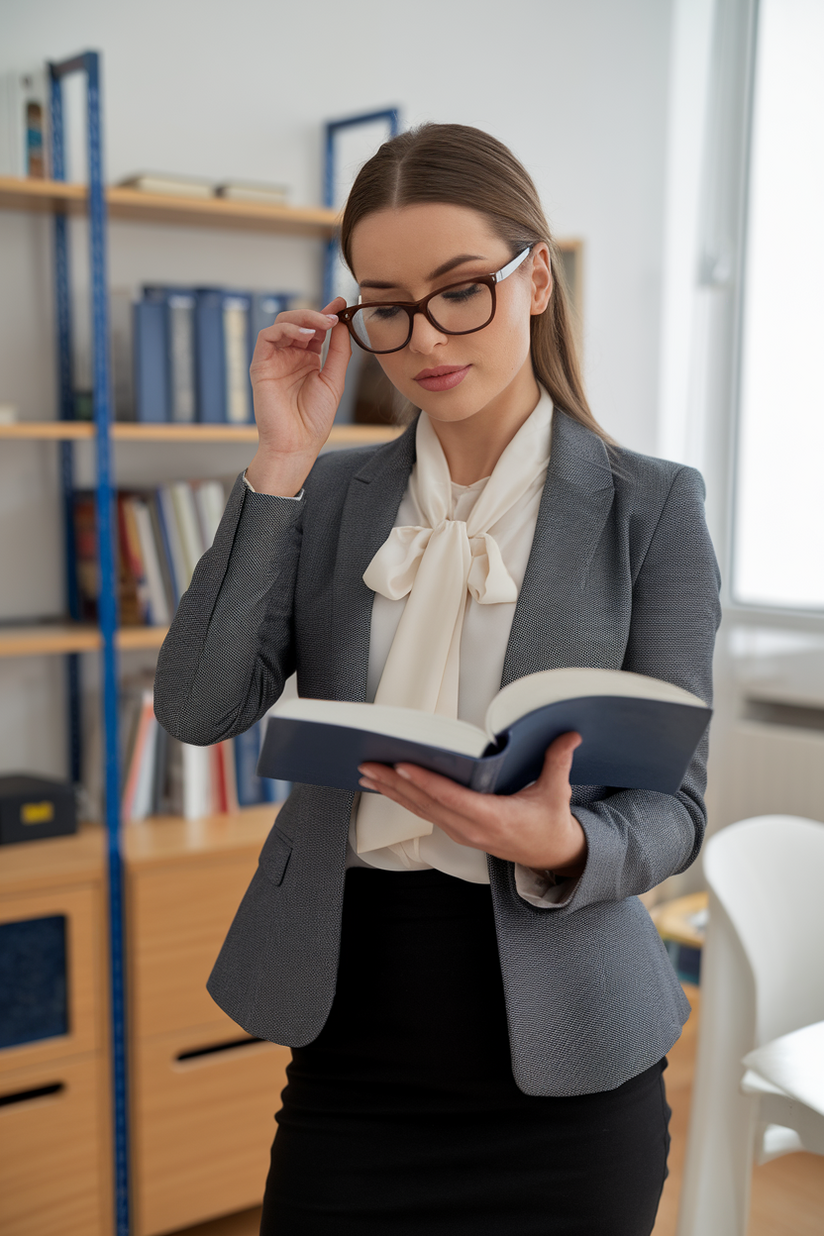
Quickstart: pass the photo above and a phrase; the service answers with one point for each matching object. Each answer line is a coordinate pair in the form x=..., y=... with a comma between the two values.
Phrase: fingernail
x=306, y=330
x=333, y=317
x=366, y=783
x=403, y=773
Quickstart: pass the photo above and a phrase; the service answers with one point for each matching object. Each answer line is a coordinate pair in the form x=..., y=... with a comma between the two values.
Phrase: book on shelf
x=191, y=351
x=169, y=184
x=24, y=123
x=177, y=359
x=254, y=191
x=161, y=536
x=637, y=732
x=162, y=776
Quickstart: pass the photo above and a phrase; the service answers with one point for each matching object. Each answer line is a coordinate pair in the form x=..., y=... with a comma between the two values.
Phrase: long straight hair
x=462, y=166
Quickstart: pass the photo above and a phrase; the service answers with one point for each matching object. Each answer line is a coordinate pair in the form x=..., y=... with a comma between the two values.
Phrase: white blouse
x=483, y=648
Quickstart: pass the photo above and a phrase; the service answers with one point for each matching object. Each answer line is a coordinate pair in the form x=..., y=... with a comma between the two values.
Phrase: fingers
x=462, y=813
x=300, y=326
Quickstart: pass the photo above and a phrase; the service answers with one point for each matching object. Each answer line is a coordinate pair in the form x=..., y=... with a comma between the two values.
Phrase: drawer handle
x=23, y=1096
x=197, y=1052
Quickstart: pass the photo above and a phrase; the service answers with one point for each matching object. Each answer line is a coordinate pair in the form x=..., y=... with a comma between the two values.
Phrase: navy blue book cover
x=627, y=743
x=151, y=370
x=210, y=356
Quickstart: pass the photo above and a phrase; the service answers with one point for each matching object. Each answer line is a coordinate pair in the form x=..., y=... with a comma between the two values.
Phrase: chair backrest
x=768, y=874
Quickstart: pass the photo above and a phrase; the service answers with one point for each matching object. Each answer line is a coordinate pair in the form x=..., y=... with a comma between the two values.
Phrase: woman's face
x=406, y=253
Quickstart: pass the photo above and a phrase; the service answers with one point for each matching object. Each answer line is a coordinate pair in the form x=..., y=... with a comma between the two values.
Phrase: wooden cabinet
x=203, y=1094
x=55, y=1176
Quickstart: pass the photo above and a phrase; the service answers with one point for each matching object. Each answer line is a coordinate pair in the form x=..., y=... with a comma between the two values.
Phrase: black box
x=33, y=807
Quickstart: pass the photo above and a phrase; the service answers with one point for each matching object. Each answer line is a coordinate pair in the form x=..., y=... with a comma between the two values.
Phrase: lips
x=443, y=378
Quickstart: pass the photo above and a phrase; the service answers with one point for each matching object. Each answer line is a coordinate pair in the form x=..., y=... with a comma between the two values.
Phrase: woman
x=478, y=1004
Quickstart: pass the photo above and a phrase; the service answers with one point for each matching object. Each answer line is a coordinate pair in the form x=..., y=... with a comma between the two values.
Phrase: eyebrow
x=436, y=274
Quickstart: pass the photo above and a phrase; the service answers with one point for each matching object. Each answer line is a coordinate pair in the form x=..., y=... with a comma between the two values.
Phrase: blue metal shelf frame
x=392, y=116
x=89, y=63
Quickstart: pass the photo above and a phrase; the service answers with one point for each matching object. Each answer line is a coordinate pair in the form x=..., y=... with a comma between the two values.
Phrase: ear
x=541, y=278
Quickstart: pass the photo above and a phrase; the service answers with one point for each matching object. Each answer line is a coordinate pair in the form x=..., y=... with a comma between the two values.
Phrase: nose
x=425, y=336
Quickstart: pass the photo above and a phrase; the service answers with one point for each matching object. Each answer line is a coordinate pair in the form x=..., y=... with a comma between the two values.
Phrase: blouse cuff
x=285, y=498
x=539, y=891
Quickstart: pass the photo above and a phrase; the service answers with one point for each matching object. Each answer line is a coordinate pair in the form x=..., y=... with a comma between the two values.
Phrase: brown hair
x=463, y=166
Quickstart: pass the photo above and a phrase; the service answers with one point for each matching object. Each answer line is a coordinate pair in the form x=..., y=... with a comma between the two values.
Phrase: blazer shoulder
x=645, y=480
x=333, y=471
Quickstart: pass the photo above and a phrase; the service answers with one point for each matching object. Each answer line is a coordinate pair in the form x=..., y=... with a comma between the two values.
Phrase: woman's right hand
x=295, y=397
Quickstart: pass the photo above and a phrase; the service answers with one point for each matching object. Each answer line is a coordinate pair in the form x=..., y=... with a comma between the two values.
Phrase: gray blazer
x=621, y=574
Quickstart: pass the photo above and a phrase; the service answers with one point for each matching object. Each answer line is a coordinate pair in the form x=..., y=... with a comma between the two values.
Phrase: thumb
x=558, y=760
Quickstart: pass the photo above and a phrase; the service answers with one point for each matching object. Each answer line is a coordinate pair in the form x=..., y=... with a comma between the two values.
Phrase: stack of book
x=162, y=776
x=162, y=535
x=191, y=352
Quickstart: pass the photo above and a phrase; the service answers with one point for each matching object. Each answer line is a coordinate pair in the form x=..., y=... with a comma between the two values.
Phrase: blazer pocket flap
x=274, y=856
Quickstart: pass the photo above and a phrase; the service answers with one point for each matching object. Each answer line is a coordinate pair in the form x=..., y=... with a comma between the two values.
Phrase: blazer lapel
x=369, y=511
x=554, y=624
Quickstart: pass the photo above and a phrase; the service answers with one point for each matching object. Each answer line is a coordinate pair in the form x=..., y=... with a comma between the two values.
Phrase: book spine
x=210, y=356
x=485, y=774
x=236, y=340
x=164, y=553
x=85, y=548
x=247, y=749
x=265, y=307
x=183, y=499
x=136, y=775
x=131, y=611
x=210, y=501
x=150, y=362
x=158, y=610
x=172, y=541
x=180, y=321
x=197, y=797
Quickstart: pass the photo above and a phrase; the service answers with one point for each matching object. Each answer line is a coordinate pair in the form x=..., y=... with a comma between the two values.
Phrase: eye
x=383, y=313
x=461, y=294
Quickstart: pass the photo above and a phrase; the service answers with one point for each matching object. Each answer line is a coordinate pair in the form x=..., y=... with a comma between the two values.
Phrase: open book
x=638, y=732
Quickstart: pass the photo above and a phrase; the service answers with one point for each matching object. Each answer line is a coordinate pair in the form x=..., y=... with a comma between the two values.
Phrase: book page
x=408, y=723
x=549, y=686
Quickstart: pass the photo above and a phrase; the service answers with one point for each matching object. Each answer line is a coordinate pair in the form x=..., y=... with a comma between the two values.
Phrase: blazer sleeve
x=230, y=647
x=636, y=838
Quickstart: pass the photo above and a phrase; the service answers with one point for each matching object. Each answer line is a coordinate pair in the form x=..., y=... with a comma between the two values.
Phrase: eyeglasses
x=459, y=309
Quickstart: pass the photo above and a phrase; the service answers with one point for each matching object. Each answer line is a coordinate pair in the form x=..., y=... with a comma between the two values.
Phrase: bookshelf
x=134, y=858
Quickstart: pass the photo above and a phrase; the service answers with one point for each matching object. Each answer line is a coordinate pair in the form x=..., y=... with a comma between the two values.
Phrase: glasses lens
x=381, y=328
x=467, y=306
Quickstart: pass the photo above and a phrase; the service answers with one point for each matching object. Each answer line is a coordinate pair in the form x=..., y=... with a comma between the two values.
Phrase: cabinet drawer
x=52, y=1167
x=80, y=948
x=178, y=917
x=202, y=1126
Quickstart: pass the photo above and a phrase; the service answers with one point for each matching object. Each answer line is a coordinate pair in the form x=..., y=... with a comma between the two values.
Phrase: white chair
x=758, y=1088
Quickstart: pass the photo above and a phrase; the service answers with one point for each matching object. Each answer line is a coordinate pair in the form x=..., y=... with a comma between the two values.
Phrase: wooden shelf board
x=26, y=866
x=58, y=196
x=135, y=431
x=53, y=430
x=162, y=839
x=26, y=641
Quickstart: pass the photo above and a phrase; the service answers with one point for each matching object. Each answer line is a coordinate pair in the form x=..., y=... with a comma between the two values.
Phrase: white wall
x=578, y=89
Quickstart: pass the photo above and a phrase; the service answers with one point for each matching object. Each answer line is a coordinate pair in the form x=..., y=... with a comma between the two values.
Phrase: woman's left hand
x=534, y=827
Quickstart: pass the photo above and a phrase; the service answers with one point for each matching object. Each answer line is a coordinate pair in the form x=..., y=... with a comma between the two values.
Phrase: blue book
x=151, y=372
x=178, y=308
x=252, y=789
x=264, y=309
x=210, y=356
x=638, y=733
x=237, y=354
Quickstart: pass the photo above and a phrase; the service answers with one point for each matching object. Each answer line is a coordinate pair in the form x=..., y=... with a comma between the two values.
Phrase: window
x=778, y=549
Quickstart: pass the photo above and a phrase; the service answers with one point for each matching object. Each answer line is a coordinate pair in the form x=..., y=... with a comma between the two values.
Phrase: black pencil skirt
x=403, y=1118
